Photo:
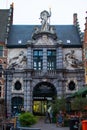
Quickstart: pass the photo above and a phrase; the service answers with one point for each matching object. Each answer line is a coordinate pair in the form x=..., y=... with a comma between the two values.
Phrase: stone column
x=9, y=88
x=25, y=92
x=59, y=58
x=59, y=89
x=29, y=58
x=45, y=59
x=29, y=95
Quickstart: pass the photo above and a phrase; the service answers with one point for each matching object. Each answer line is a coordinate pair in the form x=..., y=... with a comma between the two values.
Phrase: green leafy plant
x=59, y=105
x=27, y=119
x=79, y=103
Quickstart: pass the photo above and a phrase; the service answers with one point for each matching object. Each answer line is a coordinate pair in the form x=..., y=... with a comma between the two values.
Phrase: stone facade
x=43, y=69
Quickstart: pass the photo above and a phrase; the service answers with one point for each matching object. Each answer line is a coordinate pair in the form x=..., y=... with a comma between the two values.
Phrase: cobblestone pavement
x=48, y=126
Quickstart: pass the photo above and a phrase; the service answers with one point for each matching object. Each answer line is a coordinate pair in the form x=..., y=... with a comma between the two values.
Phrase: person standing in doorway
x=50, y=114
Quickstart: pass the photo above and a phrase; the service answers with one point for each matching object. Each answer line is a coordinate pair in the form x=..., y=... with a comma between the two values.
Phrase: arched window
x=71, y=85
x=17, y=86
x=17, y=104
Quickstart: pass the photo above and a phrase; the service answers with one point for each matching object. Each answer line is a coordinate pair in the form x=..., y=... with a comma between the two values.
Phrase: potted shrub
x=27, y=119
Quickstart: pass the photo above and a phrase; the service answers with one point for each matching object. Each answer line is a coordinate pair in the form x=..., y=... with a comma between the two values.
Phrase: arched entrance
x=43, y=94
x=17, y=105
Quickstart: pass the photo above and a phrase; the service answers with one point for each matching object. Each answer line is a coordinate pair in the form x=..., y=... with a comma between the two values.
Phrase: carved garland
x=13, y=84
x=67, y=84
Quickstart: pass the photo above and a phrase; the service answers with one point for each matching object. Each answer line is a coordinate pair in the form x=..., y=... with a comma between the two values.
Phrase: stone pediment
x=44, y=40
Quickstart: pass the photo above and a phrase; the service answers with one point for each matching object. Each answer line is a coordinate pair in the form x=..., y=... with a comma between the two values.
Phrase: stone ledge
x=26, y=128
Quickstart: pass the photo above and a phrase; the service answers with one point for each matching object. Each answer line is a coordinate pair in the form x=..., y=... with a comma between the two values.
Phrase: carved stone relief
x=17, y=58
x=72, y=58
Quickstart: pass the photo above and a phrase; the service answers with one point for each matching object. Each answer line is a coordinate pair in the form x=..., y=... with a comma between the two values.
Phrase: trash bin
x=84, y=125
x=73, y=123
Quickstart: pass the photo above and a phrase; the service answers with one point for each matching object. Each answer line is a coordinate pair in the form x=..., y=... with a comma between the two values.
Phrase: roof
x=3, y=23
x=68, y=34
x=20, y=34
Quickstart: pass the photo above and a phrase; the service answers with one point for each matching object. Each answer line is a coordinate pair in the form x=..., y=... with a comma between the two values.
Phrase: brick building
x=6, y=18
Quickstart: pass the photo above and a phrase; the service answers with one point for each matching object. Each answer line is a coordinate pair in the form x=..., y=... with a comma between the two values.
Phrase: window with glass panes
x=37, y=59
x=1, y=50
x=51, y=59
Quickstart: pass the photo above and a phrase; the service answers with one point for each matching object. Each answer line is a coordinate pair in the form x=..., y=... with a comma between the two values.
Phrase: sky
x=27, y=12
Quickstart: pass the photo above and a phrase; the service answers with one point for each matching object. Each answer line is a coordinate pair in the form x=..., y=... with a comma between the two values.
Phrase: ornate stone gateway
x=47, y=63
x=43, y=95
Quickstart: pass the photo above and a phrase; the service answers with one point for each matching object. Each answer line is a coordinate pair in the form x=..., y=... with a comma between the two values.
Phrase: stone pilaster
x=29, y=96
x=59, y=89
x=29, y=58
x=9, y=85
x=44, y=59
x=25, y=93
x=59, y=58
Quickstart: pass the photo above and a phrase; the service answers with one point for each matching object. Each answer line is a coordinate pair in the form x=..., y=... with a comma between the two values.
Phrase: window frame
x=38, y=59
x=51, y=59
